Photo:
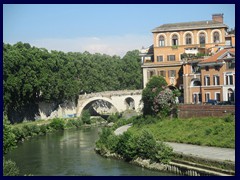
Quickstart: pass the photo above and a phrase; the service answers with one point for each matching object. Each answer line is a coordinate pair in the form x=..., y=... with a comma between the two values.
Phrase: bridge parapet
x=110, y=93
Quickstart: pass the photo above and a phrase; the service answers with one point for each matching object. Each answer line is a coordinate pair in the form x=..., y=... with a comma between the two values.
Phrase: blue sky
x=110, y=29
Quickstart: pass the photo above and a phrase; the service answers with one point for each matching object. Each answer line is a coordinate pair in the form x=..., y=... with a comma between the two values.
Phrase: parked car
x=212, y=102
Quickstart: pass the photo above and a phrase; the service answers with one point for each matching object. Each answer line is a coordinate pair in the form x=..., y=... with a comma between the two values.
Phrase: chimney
x=217, y=18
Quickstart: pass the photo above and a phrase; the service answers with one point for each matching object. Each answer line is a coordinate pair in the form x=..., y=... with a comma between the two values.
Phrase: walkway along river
x=71, y=153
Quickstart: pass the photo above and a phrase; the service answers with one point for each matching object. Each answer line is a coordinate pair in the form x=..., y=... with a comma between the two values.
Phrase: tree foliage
x=32, y=74
x=158, y=99
x=152, y=89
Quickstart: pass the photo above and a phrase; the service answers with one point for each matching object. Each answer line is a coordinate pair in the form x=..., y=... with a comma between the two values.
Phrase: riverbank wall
x=199, y=110
x=180, y=165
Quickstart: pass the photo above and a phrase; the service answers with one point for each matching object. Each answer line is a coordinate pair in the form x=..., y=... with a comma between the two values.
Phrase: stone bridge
x=120, y=100
x=115, y=101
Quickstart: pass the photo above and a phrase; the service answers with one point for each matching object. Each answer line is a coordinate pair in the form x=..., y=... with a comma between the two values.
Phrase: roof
x=219, y=56
x=189, y=25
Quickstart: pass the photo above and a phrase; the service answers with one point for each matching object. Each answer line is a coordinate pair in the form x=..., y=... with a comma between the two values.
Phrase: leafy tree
x=152, y=89
x=32, y=75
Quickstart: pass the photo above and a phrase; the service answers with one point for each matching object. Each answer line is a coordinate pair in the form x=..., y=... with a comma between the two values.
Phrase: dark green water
x=71, y=153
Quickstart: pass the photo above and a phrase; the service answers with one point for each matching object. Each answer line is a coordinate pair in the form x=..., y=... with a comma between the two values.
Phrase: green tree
x=152, y=89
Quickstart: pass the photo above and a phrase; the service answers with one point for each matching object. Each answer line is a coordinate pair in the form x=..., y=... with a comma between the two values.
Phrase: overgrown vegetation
x=10, y=168
x=133, y=145
x=158, y=99
x=32, y=75
x=207, y=131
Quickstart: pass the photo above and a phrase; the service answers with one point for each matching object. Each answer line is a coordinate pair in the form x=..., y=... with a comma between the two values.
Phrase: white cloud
x=111, y=45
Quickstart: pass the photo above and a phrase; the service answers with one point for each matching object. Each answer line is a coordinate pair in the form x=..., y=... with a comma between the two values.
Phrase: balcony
x=174, y=47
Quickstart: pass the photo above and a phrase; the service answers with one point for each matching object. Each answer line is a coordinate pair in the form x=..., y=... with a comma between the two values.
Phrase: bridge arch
x=130, y=103
x=90, y=100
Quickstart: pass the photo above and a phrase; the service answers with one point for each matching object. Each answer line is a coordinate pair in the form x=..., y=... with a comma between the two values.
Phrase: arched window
x=202, y=38
x=188, y=38
x=161, y=41
x=174, y=40
x=195, y=82
x=216, y=37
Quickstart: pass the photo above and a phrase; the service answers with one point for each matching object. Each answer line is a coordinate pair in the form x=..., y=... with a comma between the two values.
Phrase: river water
x=71, y=153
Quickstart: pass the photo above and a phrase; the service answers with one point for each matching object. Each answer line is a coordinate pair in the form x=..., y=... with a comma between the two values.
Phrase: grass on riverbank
x=208, y=131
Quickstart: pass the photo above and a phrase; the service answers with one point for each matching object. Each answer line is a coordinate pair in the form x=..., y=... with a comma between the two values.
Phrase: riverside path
x=206, y=152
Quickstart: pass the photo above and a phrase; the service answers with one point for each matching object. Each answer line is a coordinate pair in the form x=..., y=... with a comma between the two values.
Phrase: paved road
x=207, y=152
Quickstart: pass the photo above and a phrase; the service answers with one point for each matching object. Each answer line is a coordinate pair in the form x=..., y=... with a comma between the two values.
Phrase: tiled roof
x=215, y=57
x=189, y=25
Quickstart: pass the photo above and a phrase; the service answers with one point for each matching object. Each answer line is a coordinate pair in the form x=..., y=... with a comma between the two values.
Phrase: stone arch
x=220, y=35
x=85, y=102
x=195, y=82
x=130, y=103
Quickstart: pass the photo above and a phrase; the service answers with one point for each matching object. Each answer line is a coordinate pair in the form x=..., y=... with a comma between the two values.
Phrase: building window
x=174, y=40
x=150, y=74
x=207, y=80
x=161, y=41
x=159, y=58
x=207, y=68
x=202, y=38
x=171, y=57
x=195, y=82
x=230, y=95
x=188, y=39
x=230, y=65
x=162, y=73
x=216, y=37
x=216, y=80
x=172, y=73
x=217, y=68
x=207, y=97
x=217, y=96
x=197, y=98
x=195, y=68
x=229, y=79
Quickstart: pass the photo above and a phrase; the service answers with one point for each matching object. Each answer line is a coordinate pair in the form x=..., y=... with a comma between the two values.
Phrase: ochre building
x=179, y=48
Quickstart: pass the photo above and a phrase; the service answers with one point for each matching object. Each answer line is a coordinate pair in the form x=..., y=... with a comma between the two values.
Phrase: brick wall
x=192, y=110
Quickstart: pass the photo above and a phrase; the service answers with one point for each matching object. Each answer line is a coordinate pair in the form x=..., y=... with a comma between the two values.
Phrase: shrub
x=146, y=145
x=86, y=117
x=9, y=141
x=127, y=146
x=10, y=168
x=19, y=135
x=229, y=118
x=57, y=124
x=113, y=118
x=164, y=153
x=74, y=123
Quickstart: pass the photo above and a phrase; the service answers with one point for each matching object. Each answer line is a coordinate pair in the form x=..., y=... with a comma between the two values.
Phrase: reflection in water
x=71, y=152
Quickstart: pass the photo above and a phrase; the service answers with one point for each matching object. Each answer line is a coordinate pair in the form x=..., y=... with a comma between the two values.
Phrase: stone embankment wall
x=193, y=110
